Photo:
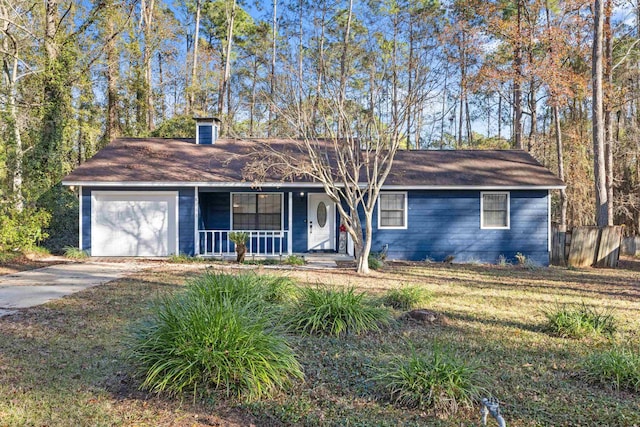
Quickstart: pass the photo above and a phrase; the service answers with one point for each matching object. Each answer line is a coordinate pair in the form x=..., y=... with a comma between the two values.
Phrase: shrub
x=618, y=367
x=75, y=253
x=294, y=260
x=438, y=380
x=375, y=263
x=214, y=338
x=407, y=297
x=577, y=321
x=62, y=229
x=22, y=231
x=326, y=311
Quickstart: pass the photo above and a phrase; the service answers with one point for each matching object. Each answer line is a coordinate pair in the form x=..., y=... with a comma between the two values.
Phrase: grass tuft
x=579, y=320
x=294, y=260
x=438, y=381
x=407, y=297
x=618, y=368
x=326, y=311
x=215, y=338
x=75, y=253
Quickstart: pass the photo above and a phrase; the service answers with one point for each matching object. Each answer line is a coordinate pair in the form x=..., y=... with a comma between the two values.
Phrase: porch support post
x=196, y=236
x=290, y=231
x=80, y=218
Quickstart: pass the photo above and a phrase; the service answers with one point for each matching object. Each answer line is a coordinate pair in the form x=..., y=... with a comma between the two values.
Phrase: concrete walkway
x=36, y=287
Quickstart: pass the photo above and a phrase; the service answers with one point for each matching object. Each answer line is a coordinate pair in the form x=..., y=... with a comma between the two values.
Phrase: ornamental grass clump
x=75, y=253
x=325, y=311
x=437, y=380
x=618, y=368
x=214, y=339
x=579, y=320
x=407, y=297
x=246, y=288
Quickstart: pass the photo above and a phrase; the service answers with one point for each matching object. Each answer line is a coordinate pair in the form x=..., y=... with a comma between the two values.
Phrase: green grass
x=75, y=253
x=579, y=320
x=215, y=338
x=407, y=297
x=439, y=381
x=335, y=312
x=188, y=259
x=617, y=368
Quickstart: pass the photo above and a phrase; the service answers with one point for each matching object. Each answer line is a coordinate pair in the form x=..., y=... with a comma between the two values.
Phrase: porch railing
x=261, y=242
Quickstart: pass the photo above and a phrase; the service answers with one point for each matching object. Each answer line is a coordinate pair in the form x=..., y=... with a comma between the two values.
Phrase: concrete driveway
x=35, y=287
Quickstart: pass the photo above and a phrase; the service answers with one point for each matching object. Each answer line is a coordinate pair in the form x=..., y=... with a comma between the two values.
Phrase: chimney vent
x=207, y=129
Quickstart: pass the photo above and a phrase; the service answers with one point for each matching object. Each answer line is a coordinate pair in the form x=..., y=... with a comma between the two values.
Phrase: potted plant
x=240, y=239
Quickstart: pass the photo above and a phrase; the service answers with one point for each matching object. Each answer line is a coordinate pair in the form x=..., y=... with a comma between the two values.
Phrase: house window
x=392, y=210
x=261, y=211
x=494, y=210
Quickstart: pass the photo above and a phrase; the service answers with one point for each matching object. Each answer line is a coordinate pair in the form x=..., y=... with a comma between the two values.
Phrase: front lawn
x=66, y=363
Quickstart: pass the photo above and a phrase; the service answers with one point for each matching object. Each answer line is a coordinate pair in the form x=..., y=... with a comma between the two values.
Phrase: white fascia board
x=302, y=184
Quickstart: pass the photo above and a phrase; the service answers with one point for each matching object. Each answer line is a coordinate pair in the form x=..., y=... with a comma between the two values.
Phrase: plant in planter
x=240, y=239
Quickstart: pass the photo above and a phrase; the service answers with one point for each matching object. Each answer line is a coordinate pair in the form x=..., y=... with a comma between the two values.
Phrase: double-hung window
x=392, y=210
x=256, y=211
x=494, y=210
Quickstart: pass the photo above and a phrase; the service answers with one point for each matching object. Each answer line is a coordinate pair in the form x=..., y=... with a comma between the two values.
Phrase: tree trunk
x=533, y=107
x=112, y=125
x=599, y=169
x=344, y=68
x=194, y=63
x=517, y=84
x=362, y=258
x=608, y=123
x=18, y=152
x=272, y=74
x=147, y=10
x=231, y=15
x=563, y=193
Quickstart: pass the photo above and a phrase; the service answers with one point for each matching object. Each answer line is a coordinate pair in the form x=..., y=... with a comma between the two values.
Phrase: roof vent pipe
x=207, y=130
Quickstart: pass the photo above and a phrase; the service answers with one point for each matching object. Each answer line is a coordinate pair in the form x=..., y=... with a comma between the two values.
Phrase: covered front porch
x=278, y=222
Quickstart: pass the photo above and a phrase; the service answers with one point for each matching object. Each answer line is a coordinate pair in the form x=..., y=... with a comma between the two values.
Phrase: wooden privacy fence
x=631, y=246
x=586, y=246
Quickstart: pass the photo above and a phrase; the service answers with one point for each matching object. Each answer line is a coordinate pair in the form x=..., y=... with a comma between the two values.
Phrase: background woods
x=558, y=79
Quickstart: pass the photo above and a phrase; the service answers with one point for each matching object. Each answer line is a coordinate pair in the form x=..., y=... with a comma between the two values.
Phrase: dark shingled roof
x=181, y=161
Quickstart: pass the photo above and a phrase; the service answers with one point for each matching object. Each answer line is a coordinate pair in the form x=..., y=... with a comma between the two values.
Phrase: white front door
x=321, y=223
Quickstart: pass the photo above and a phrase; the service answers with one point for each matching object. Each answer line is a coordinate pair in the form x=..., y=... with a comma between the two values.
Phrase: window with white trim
x=392, y=210
x=256, y=211
x=494, y=210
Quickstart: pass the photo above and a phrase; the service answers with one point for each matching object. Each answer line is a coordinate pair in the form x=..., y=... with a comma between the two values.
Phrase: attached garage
x=128, y=223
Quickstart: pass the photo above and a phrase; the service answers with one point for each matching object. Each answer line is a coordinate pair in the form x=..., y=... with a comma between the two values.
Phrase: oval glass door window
x=321, y=215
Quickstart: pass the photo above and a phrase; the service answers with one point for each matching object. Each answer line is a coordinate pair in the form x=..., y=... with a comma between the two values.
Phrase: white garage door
x=134, y=223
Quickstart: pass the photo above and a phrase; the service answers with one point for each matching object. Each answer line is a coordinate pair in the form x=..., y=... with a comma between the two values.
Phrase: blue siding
x=205, y=134
x=86, y=219
x=444, y=223
x=186, y=215
x=440, y=224
x=186, y=221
